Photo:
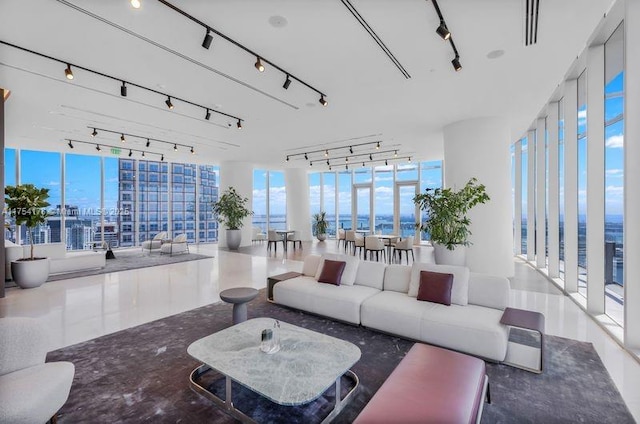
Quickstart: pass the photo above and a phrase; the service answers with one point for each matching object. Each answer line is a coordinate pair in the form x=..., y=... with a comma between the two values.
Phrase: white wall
x=298, y=208
x=480, y=148
x=238, y=175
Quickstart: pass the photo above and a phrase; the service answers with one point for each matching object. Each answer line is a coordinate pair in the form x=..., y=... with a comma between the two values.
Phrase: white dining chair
x=350, y=240
x=295, y=237
x=405, y=246
x=359, y=245
x=341, y=237
x=274, y=238
x=374, y=244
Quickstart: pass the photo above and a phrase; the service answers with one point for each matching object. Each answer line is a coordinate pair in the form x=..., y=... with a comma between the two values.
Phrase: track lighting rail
x=326, y=151
x=98, y=147
x=445, y=34
x=356, y=155
x=142, y=137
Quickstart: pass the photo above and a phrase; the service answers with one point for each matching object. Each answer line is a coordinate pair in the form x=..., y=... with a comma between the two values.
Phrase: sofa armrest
x=488, y=290
x=24, y=344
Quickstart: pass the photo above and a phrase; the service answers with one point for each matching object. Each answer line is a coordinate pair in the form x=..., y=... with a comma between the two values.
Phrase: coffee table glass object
x=307, y=364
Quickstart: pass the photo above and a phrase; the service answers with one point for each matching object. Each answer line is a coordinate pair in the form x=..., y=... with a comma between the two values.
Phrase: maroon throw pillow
x=435, y=287
x=332, y=272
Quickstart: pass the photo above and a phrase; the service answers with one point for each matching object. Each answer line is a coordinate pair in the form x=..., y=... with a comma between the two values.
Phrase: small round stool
x=239, y=296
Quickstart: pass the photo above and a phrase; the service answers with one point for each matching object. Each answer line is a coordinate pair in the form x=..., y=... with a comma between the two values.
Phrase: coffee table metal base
x=227, y=402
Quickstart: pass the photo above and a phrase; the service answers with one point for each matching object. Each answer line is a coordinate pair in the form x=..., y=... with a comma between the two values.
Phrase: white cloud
x=615, y=141
x=582, y=114
x=615, y=191
x=615, y=172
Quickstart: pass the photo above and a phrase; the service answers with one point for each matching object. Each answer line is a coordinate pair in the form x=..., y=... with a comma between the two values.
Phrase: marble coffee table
x=307, y=364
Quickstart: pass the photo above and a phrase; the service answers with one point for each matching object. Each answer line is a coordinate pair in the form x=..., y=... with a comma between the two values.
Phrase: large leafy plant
x=446, y=210
x=26, y=204
x=231, y=209
x=320, y=223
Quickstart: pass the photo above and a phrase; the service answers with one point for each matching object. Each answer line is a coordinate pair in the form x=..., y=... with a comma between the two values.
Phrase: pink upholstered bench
x=430, y=385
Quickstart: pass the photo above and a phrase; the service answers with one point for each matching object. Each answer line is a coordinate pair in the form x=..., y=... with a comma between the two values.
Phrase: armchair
x=177, y=245
x=31, y=390
x=155, y=243
x=257, y=234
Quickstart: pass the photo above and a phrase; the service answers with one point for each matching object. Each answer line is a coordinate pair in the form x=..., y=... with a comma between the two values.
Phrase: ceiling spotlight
x=130, y=152
x=287, y=158
x=142, y=154
x=329, y=167
x=443, y=31
x=386, y=162
x=135, y=4
x=346, y=160
x=322, y=100
x=259, y=66
x=168, y=102
x=328, y=162
x=287, y=83
x=378, y=146
x=456, y=63
x=206, y=43
x=123, y=90
x=70, y=144
x=161, y=158
x=94, y=133
x=351, y=149
x=310, y=163
x=122, y=138
x=326, y=153
x=409, y=158
x=175, y=147
x=306, y=157
x=370, y=156
x=395, y=154
x=148, y=142
x=193, y=152
x=98, y=147
x=346, y=167
x=68, y=72
x=208, y=115
x=239, y=124
x=363, y=164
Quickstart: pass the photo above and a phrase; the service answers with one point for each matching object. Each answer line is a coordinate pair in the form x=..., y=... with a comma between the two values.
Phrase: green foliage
x=26, y=204
x=320, y=223
x=446, y=209
x=230, y=209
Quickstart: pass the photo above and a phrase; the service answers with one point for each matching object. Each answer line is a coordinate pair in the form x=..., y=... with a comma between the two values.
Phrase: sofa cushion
x=460, y=289
x=397, y=278
x=370, y=274
x=435, y=287
x=310, y=265
x=350, y=270
x=331, y=272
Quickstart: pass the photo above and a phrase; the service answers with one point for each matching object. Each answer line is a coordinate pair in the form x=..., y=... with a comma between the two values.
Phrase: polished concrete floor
x=81, y=309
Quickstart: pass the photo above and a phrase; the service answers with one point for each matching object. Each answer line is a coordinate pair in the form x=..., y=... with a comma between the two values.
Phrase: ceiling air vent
x=531, y=10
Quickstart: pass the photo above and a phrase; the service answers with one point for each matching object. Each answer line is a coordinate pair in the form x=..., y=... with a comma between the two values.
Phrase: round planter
x=321, y=237
x=234, y=237
x=444, y=256
x=31, y=273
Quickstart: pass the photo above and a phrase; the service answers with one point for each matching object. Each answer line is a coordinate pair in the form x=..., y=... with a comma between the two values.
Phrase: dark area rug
x=131, y=259
x=141, y=374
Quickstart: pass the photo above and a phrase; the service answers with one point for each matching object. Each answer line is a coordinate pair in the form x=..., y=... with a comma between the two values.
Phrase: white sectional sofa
x=383, y=297
x=60, y=261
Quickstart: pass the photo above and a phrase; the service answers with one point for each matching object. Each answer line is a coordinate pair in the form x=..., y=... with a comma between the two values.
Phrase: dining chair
x=295, y=237
x=359, y=245
x=274, y=238
x=341, y=238
x=350, y=240
x=405, y=246
x=374, y=244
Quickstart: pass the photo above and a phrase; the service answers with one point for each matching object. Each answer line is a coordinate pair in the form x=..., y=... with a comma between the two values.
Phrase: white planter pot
x=234, y=237
x=30, y=274
x=444, y=256
x=321, y=237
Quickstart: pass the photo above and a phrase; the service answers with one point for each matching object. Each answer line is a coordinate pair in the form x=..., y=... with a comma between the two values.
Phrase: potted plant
x=447, y=223
x=26, y=203
x=320, y=225
x=230, y=210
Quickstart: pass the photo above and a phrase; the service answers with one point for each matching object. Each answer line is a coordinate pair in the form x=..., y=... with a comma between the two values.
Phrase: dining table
x=285, y=235
x=388, y=240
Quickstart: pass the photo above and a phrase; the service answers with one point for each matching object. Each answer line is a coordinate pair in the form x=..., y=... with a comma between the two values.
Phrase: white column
x=632, y=175
x=298, y=208
x=531, y=195
x=480, y=148
x=517, y=207
x=570, y=104
x=238, y=175
x=541, y=193
x=595, y=180
x=554, y=209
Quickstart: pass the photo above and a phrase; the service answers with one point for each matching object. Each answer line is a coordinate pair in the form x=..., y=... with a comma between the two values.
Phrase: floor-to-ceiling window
x=127, y=201
x=315, y=199
x=582, y=183
x=525, y=174
x=208, y=177
x=430, y=178
x=9, y=180
x=344, y=200
x=82, y=200
x=260, y=199
x=269, y=200
x=153, y=200
x=183, y=200
x=561, y=185
x=383, y=199
x=329, y=198
x=614, y=173
x=43, y=169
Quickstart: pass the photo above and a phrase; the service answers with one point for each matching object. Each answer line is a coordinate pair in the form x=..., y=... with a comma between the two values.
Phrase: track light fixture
x=287, y=83
x=363, y=164
x=168, y=102
x=306, y=157
x=135, y=4
x=351, y=149
x=68, y=72
x=395, y=154
x=378, y=146
x=310, y=163
x=443, y=31
x=326, y=153
x=259, y=66
x=208, y=38
x=130, y=153
x=142, y=154
x=148, y=142
x=239, y=124
x=456, y=63
x=148, y=139
x=162, y=158
x=123, y=90
x=346, y=160
x=287, y=158
x=409, y=158
x=193, y=152
x=94, y=133
x=175, y=147
x=323, y=101
x=370, y=156
x=346, y=167
x=329, y=167
x=386, y=162
x=70, y=144
x=328, y=162
x=122, y=138
x=98, y=147
x=208, y=115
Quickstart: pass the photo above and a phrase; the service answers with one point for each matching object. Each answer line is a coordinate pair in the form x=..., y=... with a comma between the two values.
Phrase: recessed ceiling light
x=494, y=54
x=278, y=21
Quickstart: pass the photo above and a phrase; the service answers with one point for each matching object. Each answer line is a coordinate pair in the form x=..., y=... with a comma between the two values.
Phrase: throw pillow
x=460, y=289
x=350, y=270
x=332, y=272
x=435, y=287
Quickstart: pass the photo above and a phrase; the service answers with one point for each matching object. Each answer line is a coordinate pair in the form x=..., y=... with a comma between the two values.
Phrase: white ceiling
x=322, y=43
